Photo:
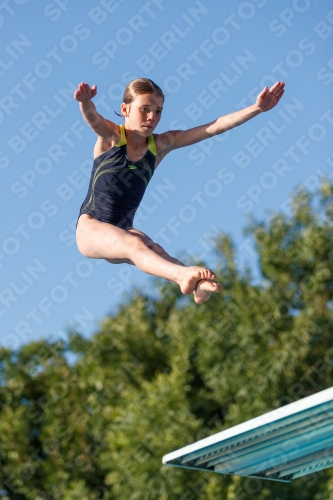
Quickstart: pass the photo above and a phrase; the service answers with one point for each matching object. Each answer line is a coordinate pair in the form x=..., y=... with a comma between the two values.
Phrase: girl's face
x=144, y=113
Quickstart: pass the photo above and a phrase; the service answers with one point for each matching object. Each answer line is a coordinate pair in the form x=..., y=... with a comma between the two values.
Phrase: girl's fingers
x=277, y=87
x=279, y=93
x=84, y=90
x=263, y=92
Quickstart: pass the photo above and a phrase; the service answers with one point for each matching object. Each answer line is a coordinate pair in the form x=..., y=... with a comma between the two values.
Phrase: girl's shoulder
x=163, y=141
x=103, y=144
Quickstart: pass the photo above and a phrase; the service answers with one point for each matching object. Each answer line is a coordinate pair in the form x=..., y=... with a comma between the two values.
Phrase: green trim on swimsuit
x=122, y=140
x=152, y=145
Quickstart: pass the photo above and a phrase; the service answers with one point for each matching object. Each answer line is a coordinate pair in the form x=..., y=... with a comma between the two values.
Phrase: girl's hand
x=267, y=99
x=84, y=92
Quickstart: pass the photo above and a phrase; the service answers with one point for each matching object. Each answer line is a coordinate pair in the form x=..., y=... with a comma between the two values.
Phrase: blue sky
x=210, y=58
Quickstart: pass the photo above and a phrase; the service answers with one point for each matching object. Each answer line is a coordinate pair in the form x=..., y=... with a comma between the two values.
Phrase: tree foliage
x=163, y=372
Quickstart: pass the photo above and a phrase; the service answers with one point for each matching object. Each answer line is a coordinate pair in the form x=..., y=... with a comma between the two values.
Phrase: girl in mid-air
x=126, y=157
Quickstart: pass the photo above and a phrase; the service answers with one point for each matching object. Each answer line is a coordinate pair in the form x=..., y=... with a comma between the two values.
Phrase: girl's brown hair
x=141, y=86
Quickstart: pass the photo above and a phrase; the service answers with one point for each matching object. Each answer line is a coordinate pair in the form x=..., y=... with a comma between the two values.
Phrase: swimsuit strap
x=151, y=141
x=152, y=145
x=122, y=140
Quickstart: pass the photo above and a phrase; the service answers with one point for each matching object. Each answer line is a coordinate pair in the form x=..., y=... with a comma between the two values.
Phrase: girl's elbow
x=216, y=131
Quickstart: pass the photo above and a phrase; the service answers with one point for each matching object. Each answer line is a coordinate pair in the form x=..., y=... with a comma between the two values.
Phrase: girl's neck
x=136, y=140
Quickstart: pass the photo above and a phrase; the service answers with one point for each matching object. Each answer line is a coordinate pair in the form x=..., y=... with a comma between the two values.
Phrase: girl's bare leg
x=204, y=288
x=101, y=240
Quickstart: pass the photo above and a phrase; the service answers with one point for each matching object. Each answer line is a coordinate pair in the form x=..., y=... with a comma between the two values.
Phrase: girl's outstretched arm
x=266, y=100
x=103, y=128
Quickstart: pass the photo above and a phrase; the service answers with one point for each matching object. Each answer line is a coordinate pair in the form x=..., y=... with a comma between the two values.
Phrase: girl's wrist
x=85, y=103
x=256, y=108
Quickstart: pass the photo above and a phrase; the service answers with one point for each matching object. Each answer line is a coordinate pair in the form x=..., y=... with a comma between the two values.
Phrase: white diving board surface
x=281, y=445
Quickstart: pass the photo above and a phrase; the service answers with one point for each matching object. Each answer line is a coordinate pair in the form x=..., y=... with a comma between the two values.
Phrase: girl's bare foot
x=204, y=290
x=190, y=276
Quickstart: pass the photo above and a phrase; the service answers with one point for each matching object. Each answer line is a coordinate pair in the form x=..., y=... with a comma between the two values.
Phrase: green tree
x=162, y=373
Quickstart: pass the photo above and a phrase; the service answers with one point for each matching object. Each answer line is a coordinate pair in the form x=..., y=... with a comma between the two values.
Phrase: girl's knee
x=157, y=248
x=138, y=243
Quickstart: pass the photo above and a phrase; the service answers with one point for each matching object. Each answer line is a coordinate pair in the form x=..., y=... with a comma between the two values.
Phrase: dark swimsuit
x=117, y=184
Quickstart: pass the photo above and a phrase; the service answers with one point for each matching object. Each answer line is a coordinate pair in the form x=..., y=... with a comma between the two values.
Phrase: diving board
x=281, y=445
